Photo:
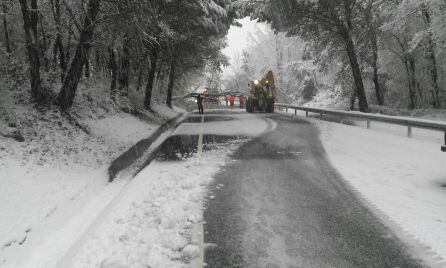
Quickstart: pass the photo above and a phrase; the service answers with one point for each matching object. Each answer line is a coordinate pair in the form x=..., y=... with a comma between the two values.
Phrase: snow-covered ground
x=50, y=208
x=166, y=112
x=46, y=181
x=152, y=225
x=403, y=178
x=157, y=223
x=62, y=213
x=33, y=192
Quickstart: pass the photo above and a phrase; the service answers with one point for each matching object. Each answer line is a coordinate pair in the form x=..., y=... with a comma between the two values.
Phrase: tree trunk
x=171, y=83
x=114, y=72
x=162, y=71
x=355, y=68
x=30, y=28
x=70, y=33
x=378, y=90
x=44, y=45
x=153, y=54
x=5, y=28
x=62, y=62
x=58, y=41
x=87, y=66
x=68, y=90
x=411, y=83
x=98, y=60
x=140, y=72
x=434, y=76
x=55, y=49
x=433, y=60
x=353, y=97
x=413, y=78
x=142, y=65
x=124, y=73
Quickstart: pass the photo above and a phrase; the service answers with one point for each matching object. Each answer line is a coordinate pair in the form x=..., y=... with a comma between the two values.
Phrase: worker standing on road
x=241, y=101
x=200, y=104
x=232, y=100
x=227, y=100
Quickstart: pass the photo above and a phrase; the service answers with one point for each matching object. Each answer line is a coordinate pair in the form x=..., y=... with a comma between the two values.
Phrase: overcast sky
x=237, y=39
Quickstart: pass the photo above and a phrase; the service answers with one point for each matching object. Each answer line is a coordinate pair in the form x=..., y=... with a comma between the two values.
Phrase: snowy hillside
x=52, y=163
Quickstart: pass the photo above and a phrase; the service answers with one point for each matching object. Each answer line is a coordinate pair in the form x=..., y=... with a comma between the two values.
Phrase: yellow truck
x=262, y=95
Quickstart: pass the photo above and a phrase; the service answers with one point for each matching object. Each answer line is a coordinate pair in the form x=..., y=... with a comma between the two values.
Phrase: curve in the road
x=284, y=205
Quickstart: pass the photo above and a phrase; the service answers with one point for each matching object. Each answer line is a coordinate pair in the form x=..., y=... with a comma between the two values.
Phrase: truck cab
x=262, y=95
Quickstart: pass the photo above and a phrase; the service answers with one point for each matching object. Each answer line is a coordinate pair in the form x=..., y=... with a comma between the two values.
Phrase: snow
x=53, y=165
x=402, y=178
x=62, y=212
x=166, y=112
x=46, y=180
x=122, y=128
x=243, y=125
x=191, y=252
x=152, y=224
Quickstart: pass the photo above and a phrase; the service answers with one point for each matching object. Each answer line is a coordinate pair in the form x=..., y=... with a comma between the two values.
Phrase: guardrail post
x=368, y=124
x=409, y=131
x=295, y=111
x=443, y=148
x=306, y=113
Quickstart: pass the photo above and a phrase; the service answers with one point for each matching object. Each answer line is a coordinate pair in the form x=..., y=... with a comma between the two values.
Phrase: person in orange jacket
x=232, y=100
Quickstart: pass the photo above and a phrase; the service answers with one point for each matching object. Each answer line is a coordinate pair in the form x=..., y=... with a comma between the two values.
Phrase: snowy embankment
x=152, y=224
x=46, y=181
x=403, y=178
x=158, y=220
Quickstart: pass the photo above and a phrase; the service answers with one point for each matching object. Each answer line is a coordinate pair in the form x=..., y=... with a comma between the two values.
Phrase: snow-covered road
x=284, y=205
x=154, y=222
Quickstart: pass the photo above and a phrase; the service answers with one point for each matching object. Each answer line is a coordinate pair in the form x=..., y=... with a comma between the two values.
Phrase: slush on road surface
x=284, y=205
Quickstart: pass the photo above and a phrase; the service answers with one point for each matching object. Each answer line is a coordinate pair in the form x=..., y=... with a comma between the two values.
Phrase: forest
x=376, y=52
x=144, y=44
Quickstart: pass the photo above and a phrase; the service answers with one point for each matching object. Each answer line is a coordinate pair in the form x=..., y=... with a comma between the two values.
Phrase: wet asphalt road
x=284, y=205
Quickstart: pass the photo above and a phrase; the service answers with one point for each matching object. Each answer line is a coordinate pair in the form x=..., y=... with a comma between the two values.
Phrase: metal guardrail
x=397, y=120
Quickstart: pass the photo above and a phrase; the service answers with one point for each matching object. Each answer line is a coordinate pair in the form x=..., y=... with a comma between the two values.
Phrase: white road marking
x=198, y=237
x=198, y=229
x=200, y=137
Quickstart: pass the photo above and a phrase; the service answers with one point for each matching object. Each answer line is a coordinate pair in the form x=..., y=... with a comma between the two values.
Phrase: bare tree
x=5, y=27
x=71, y=80
x=30, y=20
